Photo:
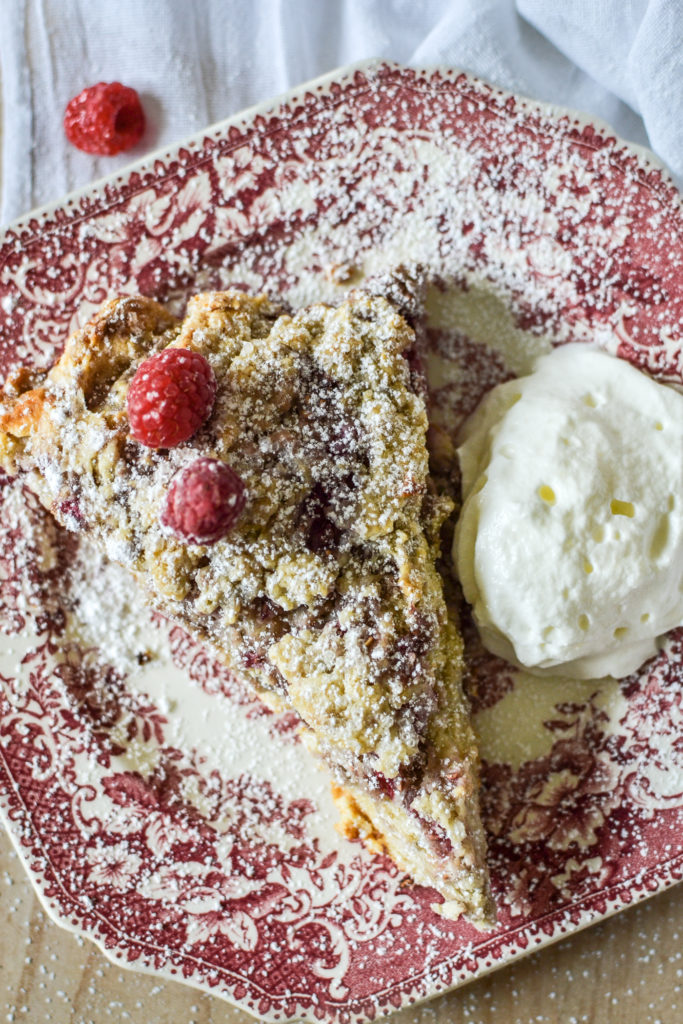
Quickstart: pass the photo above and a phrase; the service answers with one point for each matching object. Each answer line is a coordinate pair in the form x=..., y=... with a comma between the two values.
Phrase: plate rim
x=368, y=66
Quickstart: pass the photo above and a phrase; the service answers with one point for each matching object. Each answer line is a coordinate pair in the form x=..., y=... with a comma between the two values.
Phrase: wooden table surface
x=628, y=970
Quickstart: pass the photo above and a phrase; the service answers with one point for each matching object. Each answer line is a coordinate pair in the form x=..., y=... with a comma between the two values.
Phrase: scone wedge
x=324, y=595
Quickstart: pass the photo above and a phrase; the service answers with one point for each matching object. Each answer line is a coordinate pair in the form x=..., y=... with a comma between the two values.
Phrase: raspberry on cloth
x=105, y=119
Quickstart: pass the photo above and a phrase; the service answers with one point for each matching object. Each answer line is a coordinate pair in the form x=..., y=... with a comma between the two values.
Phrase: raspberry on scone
x=170, y=397
x=204, y=502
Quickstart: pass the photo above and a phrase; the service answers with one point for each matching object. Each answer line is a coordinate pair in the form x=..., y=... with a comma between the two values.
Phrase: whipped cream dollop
x=569, y=545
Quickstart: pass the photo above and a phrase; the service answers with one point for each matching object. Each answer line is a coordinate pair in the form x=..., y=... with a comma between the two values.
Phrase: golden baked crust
x=325, y=595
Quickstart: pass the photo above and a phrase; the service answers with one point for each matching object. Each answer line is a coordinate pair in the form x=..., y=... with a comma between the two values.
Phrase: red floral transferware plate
x=159, y=809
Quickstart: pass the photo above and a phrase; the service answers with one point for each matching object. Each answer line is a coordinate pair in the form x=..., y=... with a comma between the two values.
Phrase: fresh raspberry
x=204, y=502
x=170, y=396
x=104, y=119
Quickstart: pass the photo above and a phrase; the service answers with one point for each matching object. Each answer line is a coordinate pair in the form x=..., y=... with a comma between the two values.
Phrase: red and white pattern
x=184, y=847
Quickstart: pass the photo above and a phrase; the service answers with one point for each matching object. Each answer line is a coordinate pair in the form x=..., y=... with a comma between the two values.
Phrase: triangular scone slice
x=325, y=593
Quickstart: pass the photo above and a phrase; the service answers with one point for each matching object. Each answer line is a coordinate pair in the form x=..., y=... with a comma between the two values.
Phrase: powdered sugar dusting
x=109, y=613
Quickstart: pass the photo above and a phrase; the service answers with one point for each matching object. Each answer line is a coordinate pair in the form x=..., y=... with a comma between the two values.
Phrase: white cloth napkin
x=198, y=61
